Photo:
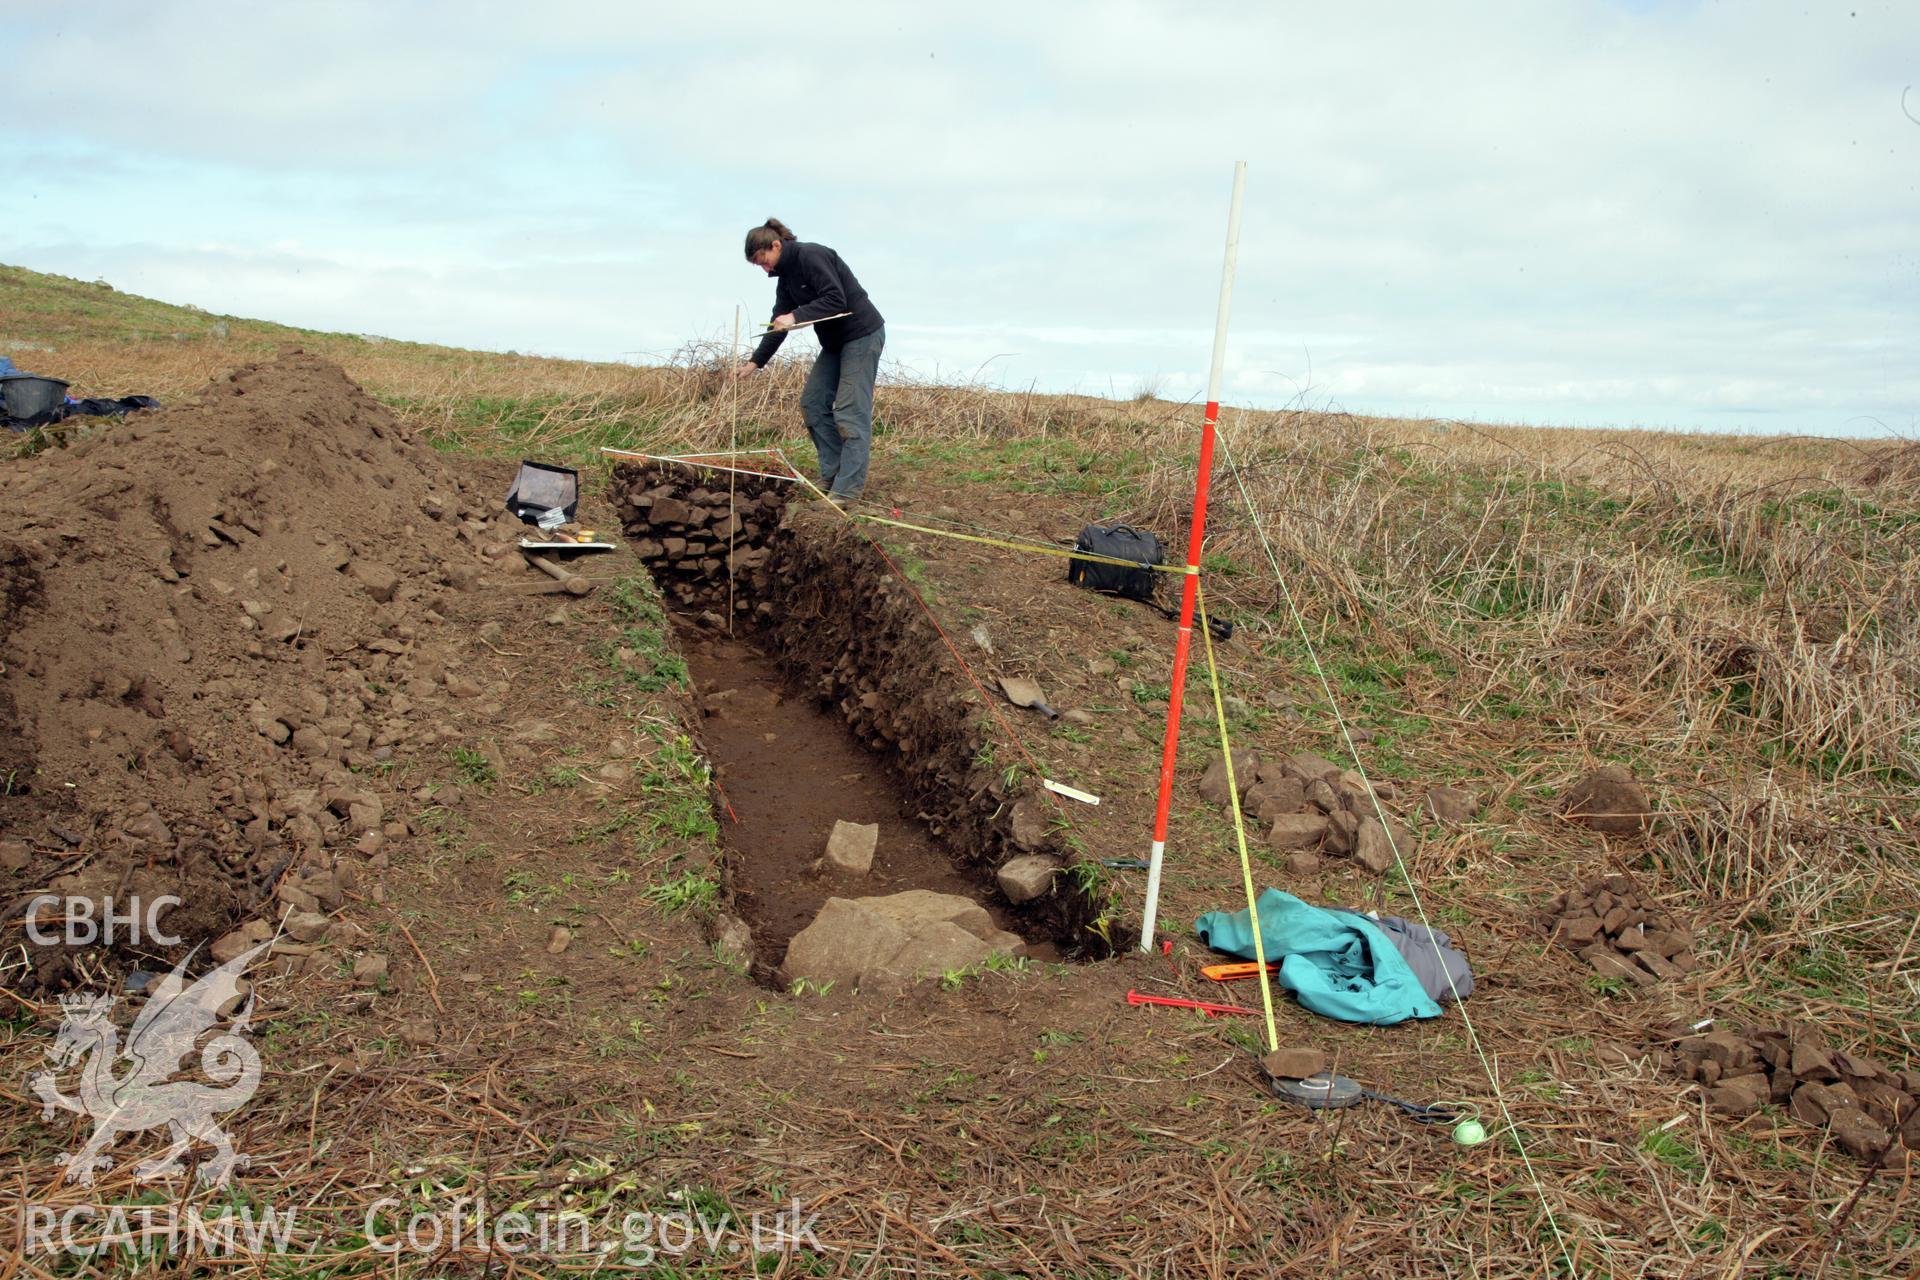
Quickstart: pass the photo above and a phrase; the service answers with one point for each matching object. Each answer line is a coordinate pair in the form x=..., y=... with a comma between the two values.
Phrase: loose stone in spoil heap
x=1620, y=932
x=1872, y=1110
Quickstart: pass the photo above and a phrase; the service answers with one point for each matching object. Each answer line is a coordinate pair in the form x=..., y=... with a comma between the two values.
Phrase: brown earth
x=303, y=574
x=787, y=771
x=220, y=622
x=545, y=1023
x=852, y=637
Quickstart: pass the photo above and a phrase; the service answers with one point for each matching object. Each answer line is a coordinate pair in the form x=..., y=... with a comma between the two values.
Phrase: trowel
x=1022, y=692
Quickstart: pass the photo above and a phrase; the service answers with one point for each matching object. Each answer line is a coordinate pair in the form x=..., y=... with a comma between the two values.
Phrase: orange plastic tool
x=1228, y=972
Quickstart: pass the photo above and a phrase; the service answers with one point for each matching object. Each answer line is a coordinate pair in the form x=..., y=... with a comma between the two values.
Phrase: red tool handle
x=1136, y=997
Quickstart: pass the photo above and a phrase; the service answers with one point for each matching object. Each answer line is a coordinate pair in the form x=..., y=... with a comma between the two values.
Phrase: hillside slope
x=516, y=987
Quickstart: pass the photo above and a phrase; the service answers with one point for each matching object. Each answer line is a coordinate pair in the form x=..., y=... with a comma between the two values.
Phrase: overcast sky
x=1613, y=212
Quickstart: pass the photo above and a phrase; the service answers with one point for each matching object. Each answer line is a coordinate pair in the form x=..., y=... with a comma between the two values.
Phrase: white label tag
x=1062, y=789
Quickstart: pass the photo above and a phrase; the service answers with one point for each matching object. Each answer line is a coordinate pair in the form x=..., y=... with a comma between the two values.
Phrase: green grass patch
x=691, y=891
x=473, y=767
x=1673, y=1151
x=641, y=652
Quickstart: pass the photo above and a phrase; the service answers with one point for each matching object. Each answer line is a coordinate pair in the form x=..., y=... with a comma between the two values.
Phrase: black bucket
x=26, y=395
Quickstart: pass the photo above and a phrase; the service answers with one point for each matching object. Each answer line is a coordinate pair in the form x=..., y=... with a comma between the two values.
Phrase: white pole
x=1226, y=285
x=1169, y=748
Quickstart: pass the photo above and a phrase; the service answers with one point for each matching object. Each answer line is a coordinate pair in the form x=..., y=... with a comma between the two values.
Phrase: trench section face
x=834, y=698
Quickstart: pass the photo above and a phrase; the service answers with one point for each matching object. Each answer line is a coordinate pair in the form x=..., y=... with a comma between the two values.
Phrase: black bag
x=1124, y=542
x=1121, y=542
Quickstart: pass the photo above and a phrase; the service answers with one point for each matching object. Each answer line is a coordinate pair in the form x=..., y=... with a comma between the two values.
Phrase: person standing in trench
x=814, y=284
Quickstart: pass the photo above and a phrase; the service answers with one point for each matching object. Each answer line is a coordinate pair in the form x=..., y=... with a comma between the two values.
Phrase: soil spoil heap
x=216, y=623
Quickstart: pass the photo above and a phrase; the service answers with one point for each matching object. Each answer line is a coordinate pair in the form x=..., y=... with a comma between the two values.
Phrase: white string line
x=1353, y=753
x=1473, y=1035
x=851, y=505
x=733, y=442
x=691, y=462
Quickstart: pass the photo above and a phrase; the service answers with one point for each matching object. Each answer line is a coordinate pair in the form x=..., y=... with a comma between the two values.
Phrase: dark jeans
x=838, y=406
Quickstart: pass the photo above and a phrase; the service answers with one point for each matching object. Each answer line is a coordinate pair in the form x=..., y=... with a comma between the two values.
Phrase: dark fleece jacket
x=814, y=282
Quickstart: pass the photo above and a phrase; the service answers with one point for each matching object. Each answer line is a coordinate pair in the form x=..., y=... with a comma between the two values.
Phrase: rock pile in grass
x=1621, y=932
x=1872, y=1110
x=1310, y=807
x=690, y=529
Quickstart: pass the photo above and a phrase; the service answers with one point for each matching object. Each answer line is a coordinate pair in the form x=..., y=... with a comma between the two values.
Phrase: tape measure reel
x=1329, y=1092
x=1323, y=1092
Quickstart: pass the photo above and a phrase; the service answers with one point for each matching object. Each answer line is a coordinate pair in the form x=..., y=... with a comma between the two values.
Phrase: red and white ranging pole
x=1195, y=535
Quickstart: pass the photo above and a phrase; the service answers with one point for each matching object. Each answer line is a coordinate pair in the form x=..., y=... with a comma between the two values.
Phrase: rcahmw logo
x=87, y=1231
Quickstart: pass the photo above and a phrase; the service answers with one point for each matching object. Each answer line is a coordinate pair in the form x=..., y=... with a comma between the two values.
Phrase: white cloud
x=1581, y=212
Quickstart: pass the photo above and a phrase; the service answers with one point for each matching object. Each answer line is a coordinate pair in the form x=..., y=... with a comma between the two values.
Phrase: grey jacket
x=1429, y=952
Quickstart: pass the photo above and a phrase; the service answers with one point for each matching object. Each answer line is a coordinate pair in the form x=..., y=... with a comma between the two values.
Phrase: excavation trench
x=786, y=770
x=833, y=699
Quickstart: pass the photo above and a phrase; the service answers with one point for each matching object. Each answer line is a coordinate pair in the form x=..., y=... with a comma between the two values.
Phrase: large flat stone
x=844, y=943
x=670, y=511
x=1310, y=768
x=1265, y=801
x=913, y=908
x=1213, y=783
x=1295, y=1063
x=940, y=947
x=886, y=943
x=1372, y=848
x=1740, y=1095
x=1297, y=831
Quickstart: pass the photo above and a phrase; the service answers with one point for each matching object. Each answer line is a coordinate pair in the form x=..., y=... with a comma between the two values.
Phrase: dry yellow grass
x=1738, y=618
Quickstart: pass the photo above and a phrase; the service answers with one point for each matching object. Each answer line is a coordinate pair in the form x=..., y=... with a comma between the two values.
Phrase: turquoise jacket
x=1338, y=964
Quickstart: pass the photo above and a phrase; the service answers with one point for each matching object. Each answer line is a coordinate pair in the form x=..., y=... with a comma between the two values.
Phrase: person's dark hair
x=766, y=235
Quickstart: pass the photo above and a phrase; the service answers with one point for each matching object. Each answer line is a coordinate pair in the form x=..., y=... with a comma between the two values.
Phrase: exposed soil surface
x=851, y=636
x=271, y=654
x=219, y=621
x=787, y=772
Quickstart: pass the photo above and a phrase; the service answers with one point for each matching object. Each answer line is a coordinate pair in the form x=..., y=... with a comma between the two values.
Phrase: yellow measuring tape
x=1219, y=710
x=1042, y=548
x=1239, y=825
x=1002, y=543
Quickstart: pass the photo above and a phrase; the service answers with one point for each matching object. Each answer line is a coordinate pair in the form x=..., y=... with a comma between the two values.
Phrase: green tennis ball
x=1470, y=1133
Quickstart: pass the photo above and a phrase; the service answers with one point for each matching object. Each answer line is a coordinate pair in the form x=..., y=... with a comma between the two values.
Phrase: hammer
x=575, y=586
